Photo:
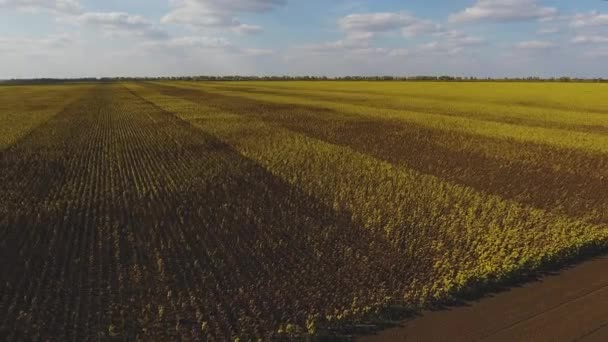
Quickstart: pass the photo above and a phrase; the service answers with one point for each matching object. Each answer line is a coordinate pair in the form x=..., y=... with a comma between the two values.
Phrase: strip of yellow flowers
x=589, y=142
x=510, y=108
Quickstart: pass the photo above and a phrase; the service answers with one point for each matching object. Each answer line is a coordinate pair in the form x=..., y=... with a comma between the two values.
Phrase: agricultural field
x=277, y=210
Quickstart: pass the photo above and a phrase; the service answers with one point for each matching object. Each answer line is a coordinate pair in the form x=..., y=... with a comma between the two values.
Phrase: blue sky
x=496, y=38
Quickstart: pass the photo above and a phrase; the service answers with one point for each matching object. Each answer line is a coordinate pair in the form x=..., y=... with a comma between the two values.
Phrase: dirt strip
x=569, y=306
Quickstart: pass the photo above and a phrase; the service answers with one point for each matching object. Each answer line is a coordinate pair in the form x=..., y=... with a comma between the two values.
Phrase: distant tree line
x=304, y=78
x=48, y=80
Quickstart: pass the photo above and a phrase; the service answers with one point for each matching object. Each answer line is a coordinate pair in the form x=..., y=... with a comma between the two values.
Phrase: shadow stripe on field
x=445, y=154
x=380, y=102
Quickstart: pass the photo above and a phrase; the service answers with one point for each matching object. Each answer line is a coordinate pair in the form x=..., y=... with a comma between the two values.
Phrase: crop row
x=585, y=98
x=558, y=184
x=457, y=239
x=126, y=222
x=511, y=113
x=24, y=108
x=469, y=124
x=155, y=212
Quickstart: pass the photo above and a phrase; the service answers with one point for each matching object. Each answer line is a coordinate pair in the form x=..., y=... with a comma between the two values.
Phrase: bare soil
x=569, y=306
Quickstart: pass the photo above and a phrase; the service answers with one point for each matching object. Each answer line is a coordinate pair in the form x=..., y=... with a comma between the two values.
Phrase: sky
x=482, y=38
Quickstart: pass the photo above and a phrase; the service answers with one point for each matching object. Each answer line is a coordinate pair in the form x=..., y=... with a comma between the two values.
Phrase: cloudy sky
x=75, y=38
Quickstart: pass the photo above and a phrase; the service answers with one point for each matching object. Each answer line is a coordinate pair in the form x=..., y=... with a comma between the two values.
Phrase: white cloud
x=369, y=41
x=235, y=6
x=376, y=22
x=400, y=53
x=367, y=26
x=458, y=38
x=591, y=19
x=361, y=29
x=33, y=46
x=194, y=44
x=421, y=27
x=595, y=53
x=590, y=39
x=503, y=10
x=247, y=29
x=219, y=13
x=256, y=52
x=339, y=46
x=535, y=45
x=353, y=43
x=450, y=43
x=548, y=30
x=409, y=25
x=430, y=46
x=120, y=23
x=56, y=6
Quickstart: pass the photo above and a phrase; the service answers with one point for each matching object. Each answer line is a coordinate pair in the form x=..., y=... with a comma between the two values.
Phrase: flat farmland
x=280, y=210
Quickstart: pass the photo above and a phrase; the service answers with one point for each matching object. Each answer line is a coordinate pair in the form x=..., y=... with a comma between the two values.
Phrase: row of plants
x=584, y=141
x=526, y=113
x=126, y=222
x=455, y=239
x=564, y=181
x=23, y=108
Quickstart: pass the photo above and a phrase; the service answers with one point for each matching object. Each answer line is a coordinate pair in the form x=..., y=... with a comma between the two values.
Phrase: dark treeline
x=48, y=81
x=304, y=78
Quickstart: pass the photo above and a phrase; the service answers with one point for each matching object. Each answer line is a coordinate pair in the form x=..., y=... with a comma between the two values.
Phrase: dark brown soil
x=569, y=306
